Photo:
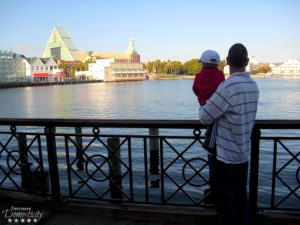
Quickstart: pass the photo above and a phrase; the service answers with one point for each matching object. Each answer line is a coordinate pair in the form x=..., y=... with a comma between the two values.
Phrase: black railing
x=141, y=161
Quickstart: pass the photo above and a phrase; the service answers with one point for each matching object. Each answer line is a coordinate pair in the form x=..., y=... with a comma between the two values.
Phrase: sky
x=162, y=29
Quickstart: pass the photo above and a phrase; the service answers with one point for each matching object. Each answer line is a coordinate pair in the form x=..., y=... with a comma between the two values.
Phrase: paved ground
x=85, y=213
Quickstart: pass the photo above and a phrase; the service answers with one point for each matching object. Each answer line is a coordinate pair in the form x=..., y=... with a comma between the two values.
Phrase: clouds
x=29, y=50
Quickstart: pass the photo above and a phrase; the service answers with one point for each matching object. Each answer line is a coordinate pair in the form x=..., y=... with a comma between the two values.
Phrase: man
x=233, y=108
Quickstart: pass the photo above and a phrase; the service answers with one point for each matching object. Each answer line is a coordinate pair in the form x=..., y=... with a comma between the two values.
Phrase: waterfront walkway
x=85, y=213
x=47, y=83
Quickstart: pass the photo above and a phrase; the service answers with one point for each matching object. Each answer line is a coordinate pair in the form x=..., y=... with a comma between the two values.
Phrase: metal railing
x=141, y=161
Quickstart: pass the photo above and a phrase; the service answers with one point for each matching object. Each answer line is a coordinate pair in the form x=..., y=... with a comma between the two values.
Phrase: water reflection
x=164, y=99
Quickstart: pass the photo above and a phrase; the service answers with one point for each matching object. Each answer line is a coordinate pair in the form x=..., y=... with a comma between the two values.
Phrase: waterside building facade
x=290, y=67
x=16, y=68
x=114, y=70
x=43, y=69
x=12, y=67
x=115, y=66
x=106, y=66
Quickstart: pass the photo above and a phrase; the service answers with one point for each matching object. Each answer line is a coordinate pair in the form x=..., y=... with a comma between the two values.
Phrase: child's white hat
x=210, y=57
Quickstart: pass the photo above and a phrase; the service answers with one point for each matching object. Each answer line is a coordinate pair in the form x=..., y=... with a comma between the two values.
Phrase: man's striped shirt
x=233, y=107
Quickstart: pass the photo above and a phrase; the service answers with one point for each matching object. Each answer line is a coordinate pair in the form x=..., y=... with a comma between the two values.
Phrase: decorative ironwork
x=200, y=162
x=189, y=171
x=24, y=165
x=278, y=174
x=99, y=167
x=83, y=165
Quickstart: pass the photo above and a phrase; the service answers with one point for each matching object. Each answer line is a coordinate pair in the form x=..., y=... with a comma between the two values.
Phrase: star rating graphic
x=22, y=220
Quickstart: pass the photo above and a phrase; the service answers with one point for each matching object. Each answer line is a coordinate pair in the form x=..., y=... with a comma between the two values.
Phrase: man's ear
x=247, y=61
x=227, y=61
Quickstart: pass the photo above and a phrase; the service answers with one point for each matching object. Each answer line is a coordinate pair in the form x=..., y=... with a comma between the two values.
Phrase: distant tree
x=165, y=67
x=222, y=65
x=262, y=69
x=145, y=66
x=150, y=67
x=192, y=67
x=176, y=67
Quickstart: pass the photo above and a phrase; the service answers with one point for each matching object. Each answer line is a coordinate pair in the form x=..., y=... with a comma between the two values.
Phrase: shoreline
x=16, y=84
x=163, y=77
x=51, y=83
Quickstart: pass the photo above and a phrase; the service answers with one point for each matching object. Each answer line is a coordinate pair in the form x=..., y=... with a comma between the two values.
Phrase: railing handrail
x=137, y=123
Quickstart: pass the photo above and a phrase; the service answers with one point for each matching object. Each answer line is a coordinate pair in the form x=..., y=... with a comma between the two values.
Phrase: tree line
x=169, y=67
x=190, y=67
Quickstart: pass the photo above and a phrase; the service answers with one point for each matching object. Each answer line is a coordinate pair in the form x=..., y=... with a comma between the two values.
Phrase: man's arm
x=215, y=106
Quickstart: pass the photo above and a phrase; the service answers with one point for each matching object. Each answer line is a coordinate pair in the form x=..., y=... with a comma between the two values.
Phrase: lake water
x=161, y=99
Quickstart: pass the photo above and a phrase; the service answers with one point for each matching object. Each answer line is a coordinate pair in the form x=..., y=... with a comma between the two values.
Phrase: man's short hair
x=237, y=56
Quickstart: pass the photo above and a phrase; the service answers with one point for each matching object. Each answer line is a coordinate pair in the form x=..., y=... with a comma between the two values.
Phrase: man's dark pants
x=229, y=183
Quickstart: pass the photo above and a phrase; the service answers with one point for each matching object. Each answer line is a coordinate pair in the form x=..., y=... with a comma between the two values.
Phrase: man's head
x=237, y=56
x=210, y=58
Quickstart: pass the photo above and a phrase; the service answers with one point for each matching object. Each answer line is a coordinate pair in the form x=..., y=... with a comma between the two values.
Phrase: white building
x=97, y=70
x=27, y=68
x=15, y=67
x=290, y=67
x=12, y=67
x=114, y=70
x=44, y=69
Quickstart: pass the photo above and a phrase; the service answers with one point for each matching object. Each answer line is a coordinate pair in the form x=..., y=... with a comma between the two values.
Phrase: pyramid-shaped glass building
x=60, y=46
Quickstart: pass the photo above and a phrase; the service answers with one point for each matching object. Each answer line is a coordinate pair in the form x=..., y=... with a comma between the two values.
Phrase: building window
x=56, y=53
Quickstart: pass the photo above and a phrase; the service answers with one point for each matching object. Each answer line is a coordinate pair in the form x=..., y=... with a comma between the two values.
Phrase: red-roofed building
x=45, y=69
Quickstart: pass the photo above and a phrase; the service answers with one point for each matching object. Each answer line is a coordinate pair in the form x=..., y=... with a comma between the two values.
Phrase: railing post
x=154, y=157
x=79, y=152
x=25, y=167
x=52, y=161
x=154, y=151
x=254, y=169
x=115, y=174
